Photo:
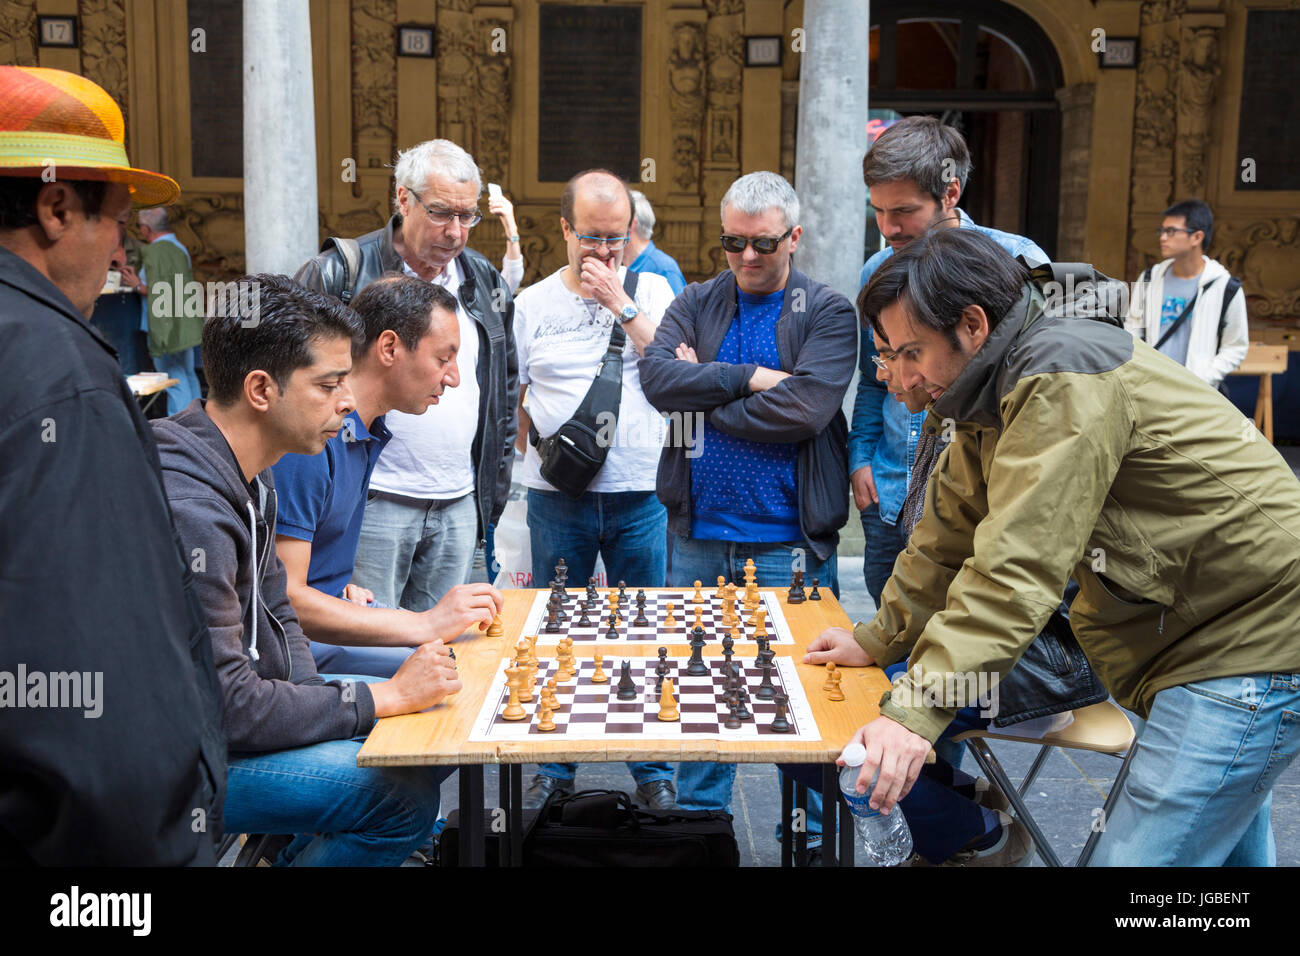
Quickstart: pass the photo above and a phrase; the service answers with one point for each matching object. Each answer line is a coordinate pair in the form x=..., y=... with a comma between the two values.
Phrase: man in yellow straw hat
x=110, y=723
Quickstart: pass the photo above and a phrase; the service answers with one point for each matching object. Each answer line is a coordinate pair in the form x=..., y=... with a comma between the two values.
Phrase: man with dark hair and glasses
x=763, y=355
x=564, y=325
x=1188, y=306
x=1078, y=452
x=279, y=360
x=444, y=477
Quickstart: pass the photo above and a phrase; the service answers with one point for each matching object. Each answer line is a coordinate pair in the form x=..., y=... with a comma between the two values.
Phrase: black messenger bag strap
x=606, y=393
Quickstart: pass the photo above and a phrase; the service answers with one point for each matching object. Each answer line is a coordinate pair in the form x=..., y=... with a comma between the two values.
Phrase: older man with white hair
x=444, y=477
x=641, y=254
x=765, y=354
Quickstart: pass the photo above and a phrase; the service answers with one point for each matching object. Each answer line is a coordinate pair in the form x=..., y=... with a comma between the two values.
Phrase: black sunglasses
x=764, y=246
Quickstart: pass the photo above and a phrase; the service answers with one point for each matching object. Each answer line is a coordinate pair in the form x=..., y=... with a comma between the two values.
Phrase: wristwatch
x=630, y=312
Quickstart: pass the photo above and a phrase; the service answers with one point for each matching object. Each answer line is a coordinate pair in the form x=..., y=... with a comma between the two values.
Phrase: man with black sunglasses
x=764, y=355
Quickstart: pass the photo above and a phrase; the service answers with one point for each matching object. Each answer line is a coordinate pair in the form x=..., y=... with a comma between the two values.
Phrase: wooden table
x=149, y=388
x=439, y=736
x=1264, y=360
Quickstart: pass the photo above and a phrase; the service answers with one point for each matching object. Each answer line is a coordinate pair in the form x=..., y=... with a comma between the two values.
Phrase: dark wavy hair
x=938, y=274
x=401, y=303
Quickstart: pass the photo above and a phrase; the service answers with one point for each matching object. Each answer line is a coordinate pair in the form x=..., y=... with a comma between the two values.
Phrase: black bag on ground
x=573, y=456
x=604, y=828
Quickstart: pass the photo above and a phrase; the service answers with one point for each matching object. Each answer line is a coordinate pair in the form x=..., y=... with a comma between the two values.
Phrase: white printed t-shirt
x=560, y=345
x=430, y=455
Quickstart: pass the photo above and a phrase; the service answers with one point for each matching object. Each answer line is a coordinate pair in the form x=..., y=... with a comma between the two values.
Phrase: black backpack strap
x=1229, y=293
x=350, y=255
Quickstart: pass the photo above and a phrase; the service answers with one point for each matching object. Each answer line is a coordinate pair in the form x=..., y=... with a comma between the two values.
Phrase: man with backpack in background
x=1188, y=306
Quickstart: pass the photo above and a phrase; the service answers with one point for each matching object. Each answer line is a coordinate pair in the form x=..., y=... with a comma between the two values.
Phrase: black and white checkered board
x=656, y=612
x=591, y=711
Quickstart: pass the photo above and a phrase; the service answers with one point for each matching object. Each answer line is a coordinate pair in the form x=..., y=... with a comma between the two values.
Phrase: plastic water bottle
x=887, y=839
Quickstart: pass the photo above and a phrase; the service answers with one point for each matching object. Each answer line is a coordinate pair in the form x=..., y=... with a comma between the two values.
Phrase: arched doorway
x=988, y=69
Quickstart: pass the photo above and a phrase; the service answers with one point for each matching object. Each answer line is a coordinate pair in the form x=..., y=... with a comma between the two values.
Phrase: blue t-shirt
x=655, y=260
x=321, y=499
x=744, y=490
x=1177, y=293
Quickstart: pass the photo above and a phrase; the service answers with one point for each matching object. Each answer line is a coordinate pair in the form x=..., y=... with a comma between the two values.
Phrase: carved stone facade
x=1076, y=154
x=18, y=33
x=1198, y=79
x=103, y=48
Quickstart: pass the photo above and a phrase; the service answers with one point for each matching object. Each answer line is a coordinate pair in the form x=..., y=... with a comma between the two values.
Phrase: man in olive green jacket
x=1075, y=451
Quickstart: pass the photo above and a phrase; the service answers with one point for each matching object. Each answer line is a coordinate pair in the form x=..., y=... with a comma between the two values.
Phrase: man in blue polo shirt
x=915, y=172
x=407, y=359
x=641, y=254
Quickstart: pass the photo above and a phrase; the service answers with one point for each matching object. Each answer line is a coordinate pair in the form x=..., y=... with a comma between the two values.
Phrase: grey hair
x=434, y=157
x=920, y=149
x=155, y=218
x=758, y=192
x=643, y=215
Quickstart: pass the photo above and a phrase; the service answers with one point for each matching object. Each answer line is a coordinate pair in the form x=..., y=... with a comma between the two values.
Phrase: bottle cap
x=854, y=755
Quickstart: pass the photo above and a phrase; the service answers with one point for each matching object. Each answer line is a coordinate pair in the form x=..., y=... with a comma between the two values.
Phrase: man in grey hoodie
x=277, y=358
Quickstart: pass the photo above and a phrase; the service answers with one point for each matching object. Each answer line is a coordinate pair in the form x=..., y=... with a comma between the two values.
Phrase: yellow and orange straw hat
x=53, y=120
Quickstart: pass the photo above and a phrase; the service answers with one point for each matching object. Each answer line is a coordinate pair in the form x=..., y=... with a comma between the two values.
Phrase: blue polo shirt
x=744, y=490
x=653, y=259
x=321, y=499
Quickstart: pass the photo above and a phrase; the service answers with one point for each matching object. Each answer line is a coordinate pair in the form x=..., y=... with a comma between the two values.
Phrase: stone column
x=1076, y=150
x=832, y=140
x=280, y=203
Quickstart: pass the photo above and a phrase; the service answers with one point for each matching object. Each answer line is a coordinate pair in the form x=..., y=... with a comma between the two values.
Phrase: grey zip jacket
x=273, y=696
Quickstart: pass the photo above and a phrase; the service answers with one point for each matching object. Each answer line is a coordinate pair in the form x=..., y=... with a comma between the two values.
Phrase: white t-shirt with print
x=560, y=344
x=430, y=454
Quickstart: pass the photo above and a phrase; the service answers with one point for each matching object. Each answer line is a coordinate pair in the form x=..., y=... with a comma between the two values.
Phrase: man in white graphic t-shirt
x=563, y=327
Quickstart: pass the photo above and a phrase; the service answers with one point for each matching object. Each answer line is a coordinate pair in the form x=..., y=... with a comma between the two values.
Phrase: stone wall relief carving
x=1198, y=80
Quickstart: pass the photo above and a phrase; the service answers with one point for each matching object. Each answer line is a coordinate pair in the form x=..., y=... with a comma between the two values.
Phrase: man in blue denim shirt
x=915, y=172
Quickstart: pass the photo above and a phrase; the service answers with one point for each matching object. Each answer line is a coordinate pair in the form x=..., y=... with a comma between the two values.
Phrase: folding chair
x=1101, y=728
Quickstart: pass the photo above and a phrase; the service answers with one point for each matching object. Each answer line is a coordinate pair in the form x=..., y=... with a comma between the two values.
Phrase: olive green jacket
x=176, y=305
x=1076, y=451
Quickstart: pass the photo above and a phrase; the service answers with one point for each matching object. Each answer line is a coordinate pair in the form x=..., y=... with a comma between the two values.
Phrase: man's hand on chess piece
x=424, y=679
x=461, y=608
x=836, y=644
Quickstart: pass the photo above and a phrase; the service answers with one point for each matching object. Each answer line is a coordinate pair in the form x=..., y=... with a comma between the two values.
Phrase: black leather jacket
x=498, y=377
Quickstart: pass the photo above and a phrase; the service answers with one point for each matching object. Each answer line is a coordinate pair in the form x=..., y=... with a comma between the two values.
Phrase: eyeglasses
x=764, y=246
x=1170, y=230
x=592, y=243
x=441, y=217
x=883, y=363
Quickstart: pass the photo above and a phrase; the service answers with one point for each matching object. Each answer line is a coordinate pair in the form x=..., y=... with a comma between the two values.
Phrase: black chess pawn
x=612, y=632
x=780, y=725
x=641, y=620
x=696, y=667
x=592, y=594
x=733, y=719
x=622, y=593
x=728, y=648
x=661, y=669
x=741, y=710
x=815, y=595
x=584, y=620
x=552, y=623
x=766, y=689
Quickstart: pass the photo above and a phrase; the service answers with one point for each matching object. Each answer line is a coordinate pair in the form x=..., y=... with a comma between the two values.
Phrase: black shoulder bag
x=572, y=457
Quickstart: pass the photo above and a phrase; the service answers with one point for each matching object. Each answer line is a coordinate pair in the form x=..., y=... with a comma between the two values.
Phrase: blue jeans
x=412, y=551
x=882, y=544
x=179, y=365
x=1199, y=790
x=345, y=815
x=628, y=530
x=708, y=785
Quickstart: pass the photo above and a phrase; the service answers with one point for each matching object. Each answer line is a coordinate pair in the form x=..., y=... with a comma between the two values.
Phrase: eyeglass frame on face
x=1163, y=231
x=592, y=243
x=447, y=215
x=773, y=242
x=882, y=363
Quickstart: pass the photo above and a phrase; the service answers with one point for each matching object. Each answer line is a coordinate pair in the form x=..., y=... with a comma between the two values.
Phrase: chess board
x=656, y=612
x=591, y=711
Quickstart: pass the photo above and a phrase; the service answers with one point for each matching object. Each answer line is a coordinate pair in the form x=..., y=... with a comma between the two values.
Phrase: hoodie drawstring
x=252, y=524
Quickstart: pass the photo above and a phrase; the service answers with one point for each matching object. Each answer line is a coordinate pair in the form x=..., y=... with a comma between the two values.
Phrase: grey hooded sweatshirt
x=274, y=698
